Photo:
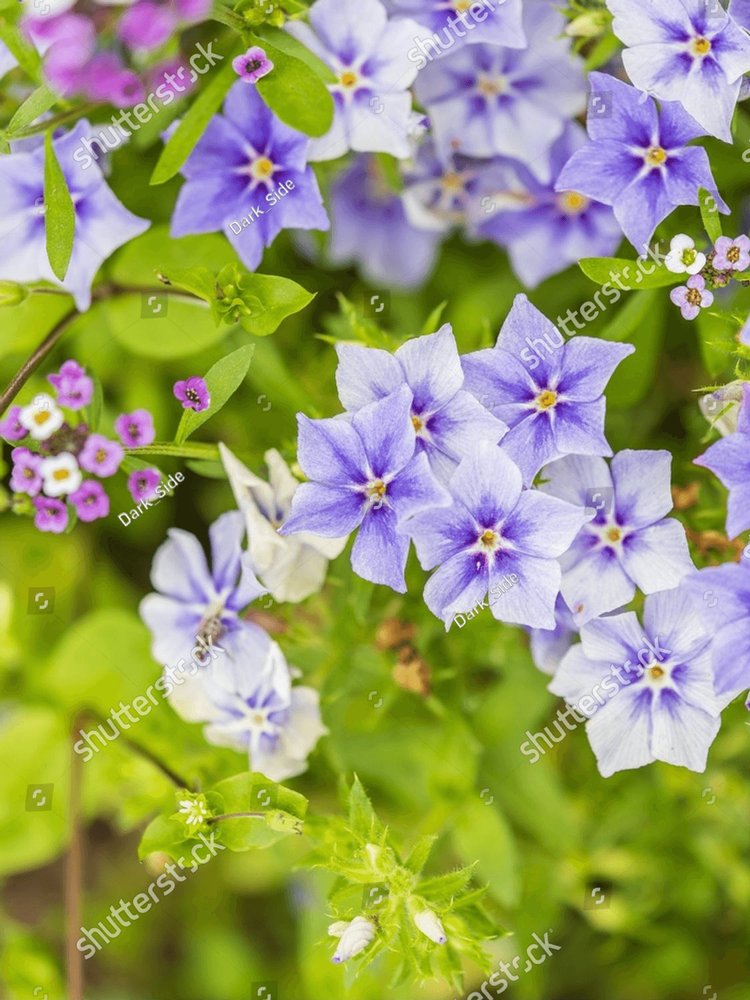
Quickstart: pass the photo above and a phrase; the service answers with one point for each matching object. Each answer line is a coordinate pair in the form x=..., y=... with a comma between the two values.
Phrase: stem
x=164, y=768
x=207, y=452
x=74, y=880
x=226, y=16
x=33, y=362
x=216, y=819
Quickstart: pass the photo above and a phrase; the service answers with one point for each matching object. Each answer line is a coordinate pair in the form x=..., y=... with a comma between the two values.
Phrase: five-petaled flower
x=729, y=460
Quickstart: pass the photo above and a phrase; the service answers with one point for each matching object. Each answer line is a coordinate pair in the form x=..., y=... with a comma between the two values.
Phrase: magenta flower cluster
x=728, y=257
x=59, y=462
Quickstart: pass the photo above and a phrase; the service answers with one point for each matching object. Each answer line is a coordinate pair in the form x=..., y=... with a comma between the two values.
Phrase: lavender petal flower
x=729, y=460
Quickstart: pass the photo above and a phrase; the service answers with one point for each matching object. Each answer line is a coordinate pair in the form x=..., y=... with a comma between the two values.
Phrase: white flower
x=353, y=937
x=61, y=474
x=429, y=924
x=683, y=258
x=194, y=810
x=291, y=567
x=722, y=408
x=42, y=417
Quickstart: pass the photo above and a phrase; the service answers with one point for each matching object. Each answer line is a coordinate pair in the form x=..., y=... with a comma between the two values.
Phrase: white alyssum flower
x=683, y=258
x=353, y=936
x=61, y=474
x=291, y=567
x=430, y=925
x=42, y=417
x=194, y=810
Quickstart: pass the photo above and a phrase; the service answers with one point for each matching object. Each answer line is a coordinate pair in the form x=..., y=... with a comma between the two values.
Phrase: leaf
x=443, y=887
x=185, y=137
x=26, y=55
x=60, y=216
x=39, y=101
x=280, y=297
x=292, y=47
x=641, y=322
x=362, y=818
x=433, y=320
x=628, y=274
x=710, y=215
x=283, y=811
x=164, y=833
x=420, y=852
x=199, y=281
x=483, y=835
x=223, y=380
x=294, y=92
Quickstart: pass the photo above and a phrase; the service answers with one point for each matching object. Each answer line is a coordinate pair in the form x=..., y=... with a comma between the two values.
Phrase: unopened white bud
x=429, y=924
x=353, y=939
x=373, y=853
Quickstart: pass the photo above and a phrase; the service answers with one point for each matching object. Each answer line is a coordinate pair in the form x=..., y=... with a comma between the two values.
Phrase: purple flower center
x=252, y=64
x=192, y=395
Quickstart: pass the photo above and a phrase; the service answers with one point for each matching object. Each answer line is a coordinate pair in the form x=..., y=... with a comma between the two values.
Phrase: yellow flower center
x=614, y=534
x=462, y=5
x=376, y=491
x=452, y=182
x=348, y=79
x=100, y=456
x=656, y=673
x=489, y=538
x=655, y=156
x=262, y=168
x=417, y=423
x=700, y=46
x=61, y=474
x=733, y=255
x=546, y=400
x=41, y=417
x=572, y=203
x=694, y=297
x=491, y=86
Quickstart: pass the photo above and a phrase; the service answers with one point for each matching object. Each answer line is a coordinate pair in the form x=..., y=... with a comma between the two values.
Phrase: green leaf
x=362, y=818
x=60, y=216
x=639, y=321
x=196, y=280
x=283, y=811
x=193, y=124
x=445, y=886
x=164, y=833
x=223, y=380
x=294, y=92
x=710, y=215
x=26, y=55
x=628, y=274
x=280, y=297
x=292, y=47
x=39, y=101
x=433, y=320
x=420, y=852
x=483, y=835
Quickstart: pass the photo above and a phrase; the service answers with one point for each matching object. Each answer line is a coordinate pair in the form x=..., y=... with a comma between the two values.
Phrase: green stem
x=205, y=452
x=216, y=819
x=72, y=114
x=226, y=16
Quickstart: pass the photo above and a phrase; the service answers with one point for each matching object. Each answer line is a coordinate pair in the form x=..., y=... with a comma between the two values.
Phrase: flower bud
x=353, y=937
x=11, y=293
x=587, y=25
x=234, y=300
x=429, y=924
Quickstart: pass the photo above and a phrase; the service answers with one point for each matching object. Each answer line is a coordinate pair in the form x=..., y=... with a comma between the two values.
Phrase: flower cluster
x=61, y=462
x=243, y=689
x=98, y=51
x=728, y=258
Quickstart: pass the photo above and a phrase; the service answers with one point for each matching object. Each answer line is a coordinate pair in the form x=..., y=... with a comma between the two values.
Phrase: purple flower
x=102, y=224
x=495, y=532
x=548, y=648
x=243, y=161
x=136, y=429
x=559, y=409
x=638, y=160
x=195, y=603
x=648, y=690
x=370, y=227
x=51, y=515
x=729, y=460
x=691, y=52
x=732, y=255
x=101, y=456
x=365, y=474
x=11, y=427
x=368, y=54
x=26, y=477
x=544, y=230
x=453, y=24
x=105, y=78
x=486, y=100
x=630, y=542
x=447, y=419
x=260, y=713
x=692, y=297
x=192, y=393
x=90, y=501
x=142, y=484
x=146, y=25
x=74, y=388
x=68, y=42
x=252, y=65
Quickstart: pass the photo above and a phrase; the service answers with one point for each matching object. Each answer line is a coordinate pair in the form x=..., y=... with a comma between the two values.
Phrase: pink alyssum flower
x=692, y=297
x=101, y=456
x=192, y=393
x=26, y=477
x=142, y=484
x=135, y=429
x=51, y=515
x=11, y=427
x=74, y=388
x=732, y=255
x=90, y=501
x=252, y=65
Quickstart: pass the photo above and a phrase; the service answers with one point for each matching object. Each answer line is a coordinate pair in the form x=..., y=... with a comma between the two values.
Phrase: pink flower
x=135, y=429
x=192, y=393
x=142, y=484
x=146, y=25
x=101, y=456
x=74, y=388
x=51, y=515
x=693, y=297
x=90, y=501
x=26, y=477
x=11, y=427
x=252, y=65
x=732, y=255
